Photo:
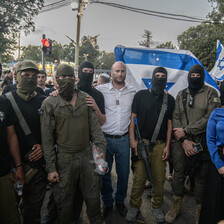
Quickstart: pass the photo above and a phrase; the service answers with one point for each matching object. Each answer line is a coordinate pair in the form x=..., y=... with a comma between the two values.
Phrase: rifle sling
x=29, y=135
x=159, y=122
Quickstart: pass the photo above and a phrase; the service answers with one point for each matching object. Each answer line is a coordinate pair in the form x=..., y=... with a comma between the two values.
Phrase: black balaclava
x=158, y=84
x=195, y=84
x=85, y=79
x=222, y=93
x=66, y=86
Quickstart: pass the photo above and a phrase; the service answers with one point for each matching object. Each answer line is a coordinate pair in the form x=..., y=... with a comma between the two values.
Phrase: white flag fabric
x=141, y=62
x=218, y=70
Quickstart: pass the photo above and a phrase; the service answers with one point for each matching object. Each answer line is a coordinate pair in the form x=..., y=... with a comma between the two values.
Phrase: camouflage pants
x=76, y=172
x=158, y=169
x=180, y=164
x=9, y=212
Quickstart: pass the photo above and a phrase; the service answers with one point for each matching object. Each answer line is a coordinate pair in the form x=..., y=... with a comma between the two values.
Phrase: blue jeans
x=120, y=147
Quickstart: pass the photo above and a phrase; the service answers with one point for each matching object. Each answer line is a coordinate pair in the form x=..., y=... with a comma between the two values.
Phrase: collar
x=81, y=98
x=112, y=87
x=200, y=90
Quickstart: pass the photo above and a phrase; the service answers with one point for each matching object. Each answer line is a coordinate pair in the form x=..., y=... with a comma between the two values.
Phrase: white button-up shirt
x=117, y=108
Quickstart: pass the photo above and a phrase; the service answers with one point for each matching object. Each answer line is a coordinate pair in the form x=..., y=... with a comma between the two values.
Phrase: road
x=186, y=216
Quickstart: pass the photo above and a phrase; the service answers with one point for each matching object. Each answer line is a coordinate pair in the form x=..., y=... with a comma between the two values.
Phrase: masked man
x=192, y=110
x=29, y=103
x=71, y=124
x=147, y=115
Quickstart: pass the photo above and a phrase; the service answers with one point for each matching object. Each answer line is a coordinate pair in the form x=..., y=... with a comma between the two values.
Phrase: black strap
x=159, y=122
x=30, y=137
x=184, y=100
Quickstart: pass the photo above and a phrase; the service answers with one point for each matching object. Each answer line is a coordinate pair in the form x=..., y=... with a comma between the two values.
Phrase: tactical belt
x=115, y=136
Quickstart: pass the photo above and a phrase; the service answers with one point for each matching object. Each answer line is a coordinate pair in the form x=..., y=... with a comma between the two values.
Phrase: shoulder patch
x=2, y=116
x=217, y=100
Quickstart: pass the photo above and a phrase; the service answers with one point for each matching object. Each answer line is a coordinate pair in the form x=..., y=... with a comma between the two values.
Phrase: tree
x=68, y=52
x=88, y=52
x=106, y=60
x=16, y=16
x=33, y=53
x=148, y=36
x=167, y=45
x=201, y=41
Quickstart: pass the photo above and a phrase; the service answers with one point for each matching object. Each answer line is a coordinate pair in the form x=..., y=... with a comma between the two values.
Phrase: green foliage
x=148, y=39
x=106, y=60
x=201, y=41
x=68, y=52
x=33, y=53
x=16, y=16
x=87, y=51
x=167, y=45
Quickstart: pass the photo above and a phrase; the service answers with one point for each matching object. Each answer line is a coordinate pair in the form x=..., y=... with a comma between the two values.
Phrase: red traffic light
x=45, y=42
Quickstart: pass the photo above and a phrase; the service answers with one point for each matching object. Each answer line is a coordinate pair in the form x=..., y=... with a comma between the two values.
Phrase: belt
x=115, y=136
x=158, y=142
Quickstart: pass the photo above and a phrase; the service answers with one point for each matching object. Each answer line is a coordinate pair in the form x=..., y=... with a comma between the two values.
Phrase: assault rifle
x=142, y=152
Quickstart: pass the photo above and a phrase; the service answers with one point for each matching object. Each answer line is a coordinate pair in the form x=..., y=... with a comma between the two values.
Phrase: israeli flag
x=141, y=62
x=218, y=70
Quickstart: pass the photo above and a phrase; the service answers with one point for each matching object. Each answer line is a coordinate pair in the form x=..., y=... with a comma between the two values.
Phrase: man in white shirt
x=118, y=97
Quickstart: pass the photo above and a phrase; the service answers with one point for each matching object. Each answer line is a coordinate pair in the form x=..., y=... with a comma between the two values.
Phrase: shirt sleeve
x=10, y=115
x=211, y=141
x=47, y=134
x=171, y=106
x=96, y=134
x=101, y=104
x=177, y=113
x=134, y=107
x=199, y=126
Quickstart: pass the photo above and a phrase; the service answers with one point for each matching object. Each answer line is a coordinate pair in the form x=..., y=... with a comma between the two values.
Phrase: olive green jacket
x=205, y=101
x=69, y=128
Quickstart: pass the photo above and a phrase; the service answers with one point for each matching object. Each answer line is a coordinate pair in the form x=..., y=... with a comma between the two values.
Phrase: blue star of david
x=219, y=64
x=148, y=84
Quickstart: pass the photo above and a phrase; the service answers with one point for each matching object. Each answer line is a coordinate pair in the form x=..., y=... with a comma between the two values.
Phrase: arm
x=47, y=134
x=199, y=126
x=133, y=142
x=15, y=152
x=91, y=103
x=96, y=134
x=211, y=142
x=177, y=112
x=166, y=151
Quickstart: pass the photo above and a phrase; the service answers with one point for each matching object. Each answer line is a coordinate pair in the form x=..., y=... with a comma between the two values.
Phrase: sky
x=117, y=26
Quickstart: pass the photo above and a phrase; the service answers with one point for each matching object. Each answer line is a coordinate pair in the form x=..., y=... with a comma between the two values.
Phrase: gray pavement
x=186, y=216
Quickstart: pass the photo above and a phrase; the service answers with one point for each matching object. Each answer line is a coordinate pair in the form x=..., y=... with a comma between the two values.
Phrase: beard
x=119, y=80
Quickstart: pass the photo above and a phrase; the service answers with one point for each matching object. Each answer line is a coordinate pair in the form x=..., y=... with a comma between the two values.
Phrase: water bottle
x=101, y=164
x=18, y=186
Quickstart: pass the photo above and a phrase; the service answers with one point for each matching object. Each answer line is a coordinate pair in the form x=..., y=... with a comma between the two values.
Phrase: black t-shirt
x=14, y=87
x=98, y=97
x=6, y=119
x=48, y=91
x=147, y=106
x=31, y=113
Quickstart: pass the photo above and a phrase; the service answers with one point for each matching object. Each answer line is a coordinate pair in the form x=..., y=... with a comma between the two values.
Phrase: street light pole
x=78, y=34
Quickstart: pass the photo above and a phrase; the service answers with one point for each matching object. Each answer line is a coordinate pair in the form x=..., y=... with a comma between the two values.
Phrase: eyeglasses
x=67, y=77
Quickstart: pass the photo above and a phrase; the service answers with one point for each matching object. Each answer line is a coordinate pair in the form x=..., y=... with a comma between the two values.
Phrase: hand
x=188, y=147
x=91, y=103
x=19, y=175
x=37, y=153
x=53, y=177
x=54, y=93
x=166, y=153
x=134, y=145
x=221, y=170
x=102, y=155
x=178, y=133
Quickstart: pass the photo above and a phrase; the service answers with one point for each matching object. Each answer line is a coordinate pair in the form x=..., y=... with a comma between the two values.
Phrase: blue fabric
x=120, y=147
x=215, y=135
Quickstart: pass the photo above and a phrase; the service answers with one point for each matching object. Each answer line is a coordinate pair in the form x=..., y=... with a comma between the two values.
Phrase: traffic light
x=47, y=46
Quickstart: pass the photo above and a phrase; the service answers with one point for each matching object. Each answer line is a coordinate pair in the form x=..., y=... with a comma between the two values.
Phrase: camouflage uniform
x=72, y=128
x=205, y=101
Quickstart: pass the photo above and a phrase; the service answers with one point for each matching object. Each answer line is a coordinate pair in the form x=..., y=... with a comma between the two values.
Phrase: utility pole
x=79, y=15
x=19, y=47
x=43, y=55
